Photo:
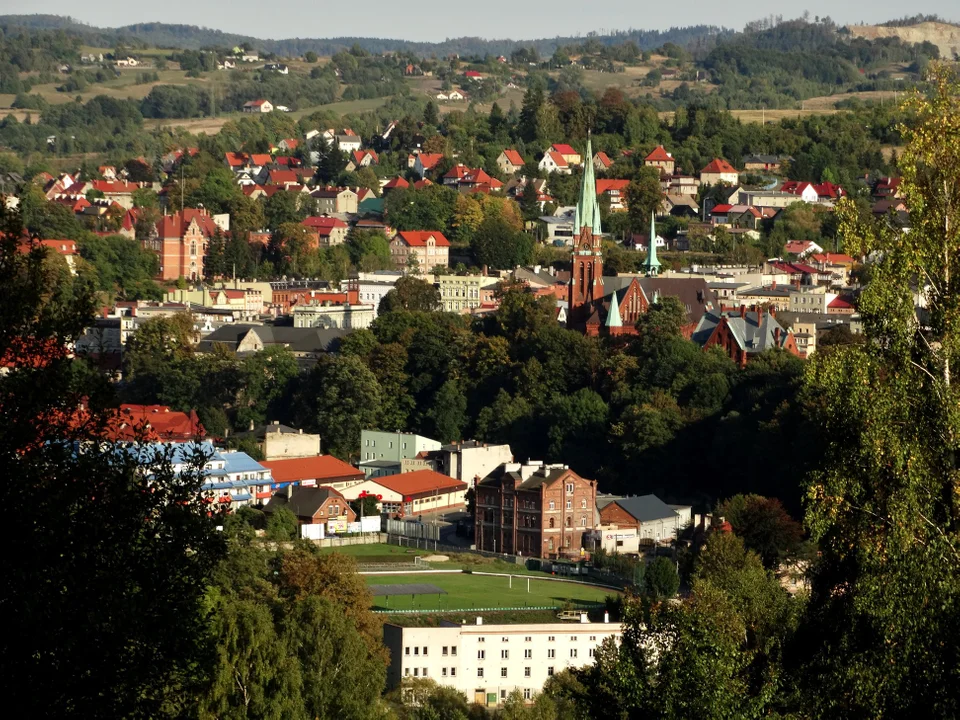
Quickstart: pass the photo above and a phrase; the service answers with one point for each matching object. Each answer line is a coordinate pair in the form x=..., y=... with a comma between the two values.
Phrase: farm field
x=467, y=591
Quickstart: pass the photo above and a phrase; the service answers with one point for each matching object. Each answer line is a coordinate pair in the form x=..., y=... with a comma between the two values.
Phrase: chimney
x=773, y=285
x=759, y=315
x=776, y=336
x=743, y=312
x=584, y=618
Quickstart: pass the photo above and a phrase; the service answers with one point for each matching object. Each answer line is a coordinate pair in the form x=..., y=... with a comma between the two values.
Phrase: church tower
x=586, y=284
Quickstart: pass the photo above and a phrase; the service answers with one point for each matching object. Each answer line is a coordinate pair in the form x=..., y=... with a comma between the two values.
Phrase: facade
x=278, y=442
x=488, y=662
x=313, y=471
x=424, y=249
x=373, y=287
x=652, y=521
x=661, y=159
x=554, y=162
x=315, y=506
x=743, y=334
x=509, y=162
x=394, y=446
x=462, y=293
x=258, y=106
x=535, y=510
x=181, y=242
x=327, y=315
x=332, y=200
x=719, y=171
x=471, y=461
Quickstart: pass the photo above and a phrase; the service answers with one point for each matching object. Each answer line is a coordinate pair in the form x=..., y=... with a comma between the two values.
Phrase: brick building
x=181, y=242
x=535, y=510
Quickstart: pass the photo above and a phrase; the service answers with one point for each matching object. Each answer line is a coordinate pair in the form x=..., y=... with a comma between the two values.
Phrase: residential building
x=661, y=159
x=307, y=344
x=156, y=423
x=181, y=242
x=802, y=248
x=330, y=231
x=762, y=163
x=425, y=162
x=462, y=293
x=313, y=472
x=824, y=193
x=373, y=287
x=743, y=335
x=510, y=162
x=810, y=298
x=774, y=296
x=321, y=505
x=719, y=171
x=394, y=446
x=652, y=521
x=408, y=495
x=278, y=442
x=420, y=249
x=488, y=662
x=616, y=191
x=334, y=200
x=554, y=162
x=327, y=315
x=258, y=106
x=535, y=510
x=569, y=153
x=601, y=161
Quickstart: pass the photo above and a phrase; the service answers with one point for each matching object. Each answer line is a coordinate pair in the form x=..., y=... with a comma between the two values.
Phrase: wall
x=277, y=446
x=467, y=464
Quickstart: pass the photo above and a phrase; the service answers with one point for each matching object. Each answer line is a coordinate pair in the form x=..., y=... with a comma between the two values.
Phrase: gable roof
x=319, y=467
x=658, y=155
x=397, y=182
x=429, y=160
x=419, y=481
x=300, y=340
x=608, y=185
x=236, y=159
x=645, y=508
x=717, y=165
x=603, y=158
x=557, y=158
x=304, y=501
x=753, y=332
x=563, y=149
x=175, y=226
x=418, y=238
x=513, y=157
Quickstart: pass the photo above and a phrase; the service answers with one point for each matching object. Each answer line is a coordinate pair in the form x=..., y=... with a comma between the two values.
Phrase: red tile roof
x=114, y=187
x=320, y=467
x=291, y=143
x=430, y=160
x=421, y=184
x=608, y=185
x=397, y=182
x=419, y=481
x=236, y=159
x=513, y=157
x=418, y=238
x=604, y=159
x=718, y=165
x=563, y=149
x=557, y=158
x=284, y=177
x=721, y=209
x=323, y=222
x=260, y=159
x=64, y=247
x=840, y=303
x=158, y=421
x=823, y=190
x=833, y=258
x=659, y=155
x=175, y=226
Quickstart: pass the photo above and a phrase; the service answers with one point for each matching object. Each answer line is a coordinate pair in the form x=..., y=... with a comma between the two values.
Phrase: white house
x=258, y=106
x=553, y=161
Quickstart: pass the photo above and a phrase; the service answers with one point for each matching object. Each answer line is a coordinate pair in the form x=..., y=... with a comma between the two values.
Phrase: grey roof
x=533, y=482
x=303, y=501
x=646, y=508
x=766, y=159
x=301, y=340
x=753, y=334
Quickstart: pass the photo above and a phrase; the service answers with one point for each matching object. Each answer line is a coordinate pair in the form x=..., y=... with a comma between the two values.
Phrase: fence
x=413, y=529
x=336, y=541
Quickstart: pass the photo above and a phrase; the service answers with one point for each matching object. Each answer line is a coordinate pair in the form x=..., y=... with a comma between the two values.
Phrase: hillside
x=945, y=36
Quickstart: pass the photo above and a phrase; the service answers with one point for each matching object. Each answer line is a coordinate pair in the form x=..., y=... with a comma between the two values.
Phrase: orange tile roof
x=563, y=149
x=429, y=160
x=607, y=185
x=419, y=481
x=659, y=155
x=513, y=157
x=718, y=166
x=320, y=467
x=418, y=238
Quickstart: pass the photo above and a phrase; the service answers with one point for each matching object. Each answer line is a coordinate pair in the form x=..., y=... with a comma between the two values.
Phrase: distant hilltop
x=946, y=36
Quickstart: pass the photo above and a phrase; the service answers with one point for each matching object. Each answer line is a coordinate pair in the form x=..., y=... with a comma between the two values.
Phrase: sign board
x=337, y=525
x=354, y=527
x=312, y=532
x=370, y=524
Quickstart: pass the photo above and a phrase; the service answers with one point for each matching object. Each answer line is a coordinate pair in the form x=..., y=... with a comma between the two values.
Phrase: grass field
x=466, y=591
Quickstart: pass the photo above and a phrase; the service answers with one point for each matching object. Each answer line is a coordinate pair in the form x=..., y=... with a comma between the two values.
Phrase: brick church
x=612, y=306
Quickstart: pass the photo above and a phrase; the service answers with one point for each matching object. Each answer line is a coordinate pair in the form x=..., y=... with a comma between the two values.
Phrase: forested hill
x=193, y=37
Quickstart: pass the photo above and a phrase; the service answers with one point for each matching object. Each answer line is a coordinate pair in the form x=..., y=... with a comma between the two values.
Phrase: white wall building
x=348, y=317
x=471, y=460
x=488, y=662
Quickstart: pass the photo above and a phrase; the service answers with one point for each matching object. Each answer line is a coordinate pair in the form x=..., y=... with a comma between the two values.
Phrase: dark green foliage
x=660, y=579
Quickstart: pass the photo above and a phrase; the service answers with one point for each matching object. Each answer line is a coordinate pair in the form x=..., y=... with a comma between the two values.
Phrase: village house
x=321, y=505
x=719, y=171
x=423, y=249
x=661, y=159
x=510, y=162
x=536, y=510
x=743, y=335
x=407, y=495
x=554, y=162
x=330, y=230
x=568, y=153
x=362, y=158
x=628, y=524
x=181, y=242
x=601, y=161
x=762, y=163
x=425, y=162
x=616, y=192
x=335, y=200
x=258, y=106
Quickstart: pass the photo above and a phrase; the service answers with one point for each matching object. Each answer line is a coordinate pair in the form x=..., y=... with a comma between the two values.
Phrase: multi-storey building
x=488, y=662
x=462, y=293
x=394, y=446
x=536, y=510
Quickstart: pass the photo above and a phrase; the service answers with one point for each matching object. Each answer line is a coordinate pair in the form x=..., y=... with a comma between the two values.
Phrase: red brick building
x=181, y=242
x=535, y=510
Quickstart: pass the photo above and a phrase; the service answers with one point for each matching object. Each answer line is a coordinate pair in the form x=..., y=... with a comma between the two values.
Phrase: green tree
x=282, y=525
x=661, y=579
x=766, y=528
x=498, y=244
x=410, y=293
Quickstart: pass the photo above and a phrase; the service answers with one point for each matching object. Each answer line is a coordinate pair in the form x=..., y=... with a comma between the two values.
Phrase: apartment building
x=488, y=662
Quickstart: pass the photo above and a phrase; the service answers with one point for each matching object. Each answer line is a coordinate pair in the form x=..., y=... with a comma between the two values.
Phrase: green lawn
x=466, y=591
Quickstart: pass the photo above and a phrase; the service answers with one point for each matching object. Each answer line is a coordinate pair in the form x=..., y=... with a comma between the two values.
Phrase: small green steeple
x=652, y=264
x=588, y=209
x=613, y=317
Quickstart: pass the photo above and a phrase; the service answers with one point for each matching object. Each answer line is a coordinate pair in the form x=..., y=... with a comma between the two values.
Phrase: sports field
x=468, y=591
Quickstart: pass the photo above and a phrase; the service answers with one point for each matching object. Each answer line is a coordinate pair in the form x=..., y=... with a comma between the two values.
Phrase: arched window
x=551, y=523
x=568, y=521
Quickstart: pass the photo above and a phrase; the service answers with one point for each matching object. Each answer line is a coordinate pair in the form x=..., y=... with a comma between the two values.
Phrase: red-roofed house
x=719, y=171
x=319, y=470
x=601, y=161
x=397, y=183
x=333, y=200
x=258, y=106
x=510, y=162
x=236, y=161
x=362, y=158
x=330, y=231
x=470, y=179
x=426, y=162
x=841, y=306
x=283, y=177
x=288, y=144
x=660, y=158
x=117, y=191
x=616, y=190
x=421, y=184
x=181, y=243
x=802, y=248
x=554, y=162
x=887, y=187
x=473, y=75
x=423, y=248
x=412, y=493
x=811, y=193
x=157, y=423
x=568, y=152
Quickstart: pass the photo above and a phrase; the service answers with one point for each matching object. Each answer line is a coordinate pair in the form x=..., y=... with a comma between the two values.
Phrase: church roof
x=588, y=208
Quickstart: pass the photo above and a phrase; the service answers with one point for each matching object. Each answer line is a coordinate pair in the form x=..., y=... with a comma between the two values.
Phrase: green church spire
x=613, y=317
x=652, y=264
x=588, y=209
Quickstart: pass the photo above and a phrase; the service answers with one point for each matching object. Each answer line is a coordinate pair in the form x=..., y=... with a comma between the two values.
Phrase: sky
x=433, y=20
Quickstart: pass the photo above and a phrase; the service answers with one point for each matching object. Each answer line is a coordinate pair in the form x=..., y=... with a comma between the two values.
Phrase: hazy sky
x=437, y=19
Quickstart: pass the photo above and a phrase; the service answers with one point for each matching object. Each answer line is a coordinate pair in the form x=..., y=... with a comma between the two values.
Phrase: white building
x=373, y=287
x=471, y=460
x=327, y=315
x=488, y=662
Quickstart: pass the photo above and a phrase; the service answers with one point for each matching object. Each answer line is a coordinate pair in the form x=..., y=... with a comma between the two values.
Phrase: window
x=424, y=673
x=504, y=654
x=504, y=639
x=444, y=653
x=503, y=672
x=527, y=695
x=550, y=638
x=406, y=671
x=527, y=638
x=550, y=544
x=551, y=525
x=551, y=653
x=583, y=503
x=592, y=651
x=407, y=651
x=583, y=521
x=481, y=654
x=527, y=654
x=481, y=639
x=593, y=638
x=570, y=488
x=573, y=652
x=569, y=507
x=573, y=638
x=549, y=672
x=416, y=672
x=480, y=672
x=443, y=672
x=553, y=505
x=503, y=694
x=416, y=651
x=424, y=650
x=526, y=672
x=453, y=672
x=453, y=650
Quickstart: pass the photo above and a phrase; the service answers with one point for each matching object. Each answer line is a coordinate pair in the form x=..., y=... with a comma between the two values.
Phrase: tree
x=410, y=293
x=110, y=551
x=431, y=115
x=765, y=527
x=499, y=245
x=310, y=56
x=883, y=506
x=661, y=579
x=282, y=525
x=644, y=196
